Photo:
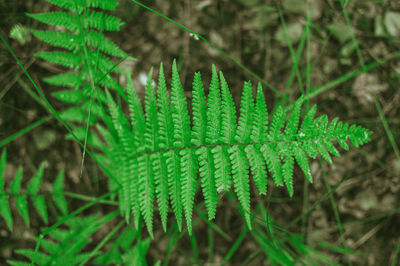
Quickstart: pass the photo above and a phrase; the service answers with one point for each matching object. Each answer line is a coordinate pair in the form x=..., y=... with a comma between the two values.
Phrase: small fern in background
x=86, y=51
x=33, y=191
x=161, y=153
x=64, y=246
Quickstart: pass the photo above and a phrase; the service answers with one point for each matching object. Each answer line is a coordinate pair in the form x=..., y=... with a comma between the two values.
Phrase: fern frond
x=64, y=246
x=5, y=211
x=219, y=149
x=33, y=191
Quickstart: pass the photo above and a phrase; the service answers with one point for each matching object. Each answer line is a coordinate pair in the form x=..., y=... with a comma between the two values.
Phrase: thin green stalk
x=25, y=130
x=31, y=93
x=210, y=244
x=235, y=246
x=68, y=216
x=396, y=256
x=387, y=128
x=194, y=248
x=88, y=198
x=291, y=50
x=102, y=242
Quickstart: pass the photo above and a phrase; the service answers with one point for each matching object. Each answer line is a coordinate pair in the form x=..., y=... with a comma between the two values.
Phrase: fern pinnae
x=166, y=133
x=146, y=190
x=182, y=132
x=213, y=110
x=98, y=41
x=63, y=19
x=5, y=211
x=199, y=129
x=208, y=176
x=260, y=126
x=20, y=199
x=38, y=199
x=227, y=135
x=123, y=151
x=33, y=191
x=64, y=40
x=189, y=162
x=65, y=59
x=102, y=21
x=240, y=167
x=273, y=161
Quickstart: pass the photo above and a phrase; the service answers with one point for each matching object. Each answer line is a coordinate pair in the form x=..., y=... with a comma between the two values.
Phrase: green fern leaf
x=293, y=122
x=66, y=59
x=58, y=193
x=98, y=41
x=273, y=162
x=167, y=153
x=180, y=115
x=260, y=124
x=257, y=167
x=36, y=257
x=206, y=170
x=136, y=114
x=302, y=160
x=166, y=134
x=189, y=171
x=66, y=20
x=240, y=179
x=102, y=4
x=65, y=80
x=33, y=189
x=277, y=123
x=287, y=167
x=5, y=211
x=102, y=21
x=227, y=135
x=174, y=184
x=69, y=96
x=64, y=40
x=245, y=122
x=146, y=190
x=228, y=117
x=199, y=112
x=214, y=110
x=258, y=134
x=20, y=200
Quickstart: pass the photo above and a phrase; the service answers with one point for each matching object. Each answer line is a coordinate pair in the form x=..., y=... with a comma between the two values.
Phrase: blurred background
x=353, y=50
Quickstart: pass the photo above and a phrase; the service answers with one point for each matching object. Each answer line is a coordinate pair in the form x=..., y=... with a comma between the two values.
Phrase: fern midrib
x=324, y=137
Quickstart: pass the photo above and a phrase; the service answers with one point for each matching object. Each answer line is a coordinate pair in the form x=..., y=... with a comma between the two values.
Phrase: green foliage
x=87, y=53
x=215, y=146
x=64, y=246
x=33, y=192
